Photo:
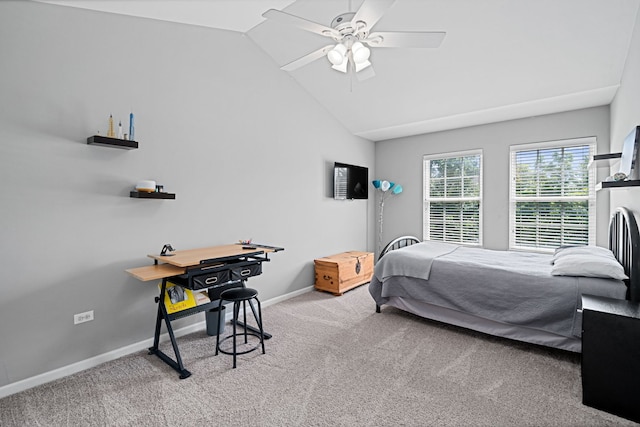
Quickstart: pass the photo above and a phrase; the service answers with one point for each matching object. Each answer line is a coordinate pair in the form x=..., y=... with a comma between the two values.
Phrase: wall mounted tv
x=350, y=182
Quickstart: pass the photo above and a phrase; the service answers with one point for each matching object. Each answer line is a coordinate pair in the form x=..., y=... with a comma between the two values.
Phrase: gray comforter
x=506, y=286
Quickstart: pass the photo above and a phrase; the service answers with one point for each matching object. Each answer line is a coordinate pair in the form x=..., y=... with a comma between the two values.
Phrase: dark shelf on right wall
x=618, y=184
x=607, y=156
x=607, y=160
x=599, y=160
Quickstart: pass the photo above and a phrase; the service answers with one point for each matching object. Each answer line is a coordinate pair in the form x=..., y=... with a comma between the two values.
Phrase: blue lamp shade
x=382, y=185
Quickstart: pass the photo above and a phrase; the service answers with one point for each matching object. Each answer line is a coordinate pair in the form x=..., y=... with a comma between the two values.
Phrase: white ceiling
x=500, y=60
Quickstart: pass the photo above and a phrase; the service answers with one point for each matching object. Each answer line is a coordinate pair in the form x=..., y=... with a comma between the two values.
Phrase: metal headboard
x=624, y=242
x=397, y=243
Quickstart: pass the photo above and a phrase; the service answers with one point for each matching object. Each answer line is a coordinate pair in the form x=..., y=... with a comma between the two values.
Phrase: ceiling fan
x=352, y=36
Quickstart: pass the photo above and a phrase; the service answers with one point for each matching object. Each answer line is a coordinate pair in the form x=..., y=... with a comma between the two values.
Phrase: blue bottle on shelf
x=131, y=128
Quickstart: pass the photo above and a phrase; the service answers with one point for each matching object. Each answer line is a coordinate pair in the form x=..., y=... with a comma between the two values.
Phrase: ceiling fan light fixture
x=341, y=67
x=362, y=65
x=337, y=55
x=360, y=53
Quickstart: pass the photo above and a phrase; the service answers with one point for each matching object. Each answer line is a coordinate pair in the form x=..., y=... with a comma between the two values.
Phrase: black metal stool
x=237, y=296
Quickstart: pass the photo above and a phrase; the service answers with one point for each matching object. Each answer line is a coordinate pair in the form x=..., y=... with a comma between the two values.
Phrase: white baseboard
x=64, y=371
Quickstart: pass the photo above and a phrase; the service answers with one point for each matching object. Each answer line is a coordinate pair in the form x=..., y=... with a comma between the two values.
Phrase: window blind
x=453, y=198
x=552, y=197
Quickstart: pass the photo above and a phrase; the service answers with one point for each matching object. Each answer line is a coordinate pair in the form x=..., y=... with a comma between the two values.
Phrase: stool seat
x=238, y=294
x=241, y=296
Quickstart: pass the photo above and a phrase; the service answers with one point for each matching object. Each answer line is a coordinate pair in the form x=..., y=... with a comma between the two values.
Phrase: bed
x=529, y=297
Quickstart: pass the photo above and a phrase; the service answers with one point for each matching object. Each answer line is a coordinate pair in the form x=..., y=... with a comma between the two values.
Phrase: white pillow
x=581, y=250
x=584, y=264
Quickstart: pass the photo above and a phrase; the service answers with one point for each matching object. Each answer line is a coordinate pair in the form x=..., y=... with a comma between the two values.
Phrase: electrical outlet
x=83, y=317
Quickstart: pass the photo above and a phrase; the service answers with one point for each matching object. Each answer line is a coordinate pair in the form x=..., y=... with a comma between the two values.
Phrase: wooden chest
x=341, y=272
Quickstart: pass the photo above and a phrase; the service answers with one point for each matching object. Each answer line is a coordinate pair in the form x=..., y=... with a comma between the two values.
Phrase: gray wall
x=400, y=160
x=245, y=149
x=625, y=115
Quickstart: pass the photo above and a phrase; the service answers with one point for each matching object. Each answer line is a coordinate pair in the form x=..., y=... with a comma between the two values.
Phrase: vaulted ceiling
x=500, y=59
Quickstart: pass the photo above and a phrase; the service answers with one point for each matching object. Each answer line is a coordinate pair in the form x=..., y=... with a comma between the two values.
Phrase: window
x=552, y=197
x=453, y=197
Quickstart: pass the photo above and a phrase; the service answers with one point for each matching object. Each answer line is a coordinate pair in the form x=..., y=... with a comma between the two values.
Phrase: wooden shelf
x=112, y=142
x=618, y=184
x=155, y=272
x=153, y=195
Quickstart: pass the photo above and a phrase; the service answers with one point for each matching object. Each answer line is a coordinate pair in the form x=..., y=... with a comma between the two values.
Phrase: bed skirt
x=491, y=327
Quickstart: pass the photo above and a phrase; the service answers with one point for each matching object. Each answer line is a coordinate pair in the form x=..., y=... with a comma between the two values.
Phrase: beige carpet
x=332, y=361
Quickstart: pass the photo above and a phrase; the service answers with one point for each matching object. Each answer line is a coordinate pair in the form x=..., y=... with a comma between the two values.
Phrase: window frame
x=591, y=142
x=427, y=199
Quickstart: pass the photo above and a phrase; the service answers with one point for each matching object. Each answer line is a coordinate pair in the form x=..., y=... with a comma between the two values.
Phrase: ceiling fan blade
x=302, y=23
x=307, y=59
x=427, y=39
x=371, y=11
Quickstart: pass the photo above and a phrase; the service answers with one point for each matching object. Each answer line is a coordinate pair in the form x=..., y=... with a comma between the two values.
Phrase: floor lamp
x=387, y=189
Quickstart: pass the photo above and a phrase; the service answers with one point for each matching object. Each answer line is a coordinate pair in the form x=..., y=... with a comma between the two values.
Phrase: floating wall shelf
x=604, y=159
x=608, y=160
x=618, y=184
x=112, y=142
x=152, y=195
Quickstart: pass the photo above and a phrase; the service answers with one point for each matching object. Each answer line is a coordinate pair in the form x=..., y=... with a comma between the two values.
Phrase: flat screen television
x=629, y=160
x=350, y=182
